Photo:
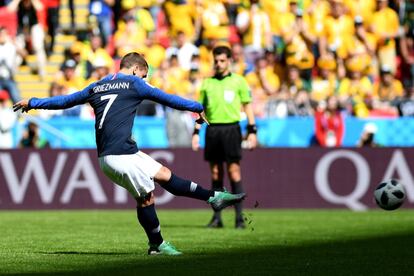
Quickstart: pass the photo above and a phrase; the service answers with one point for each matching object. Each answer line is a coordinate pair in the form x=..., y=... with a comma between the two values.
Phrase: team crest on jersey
x=229, y=95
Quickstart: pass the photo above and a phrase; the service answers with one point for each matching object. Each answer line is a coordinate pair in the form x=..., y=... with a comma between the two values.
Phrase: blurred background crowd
x=321, y=58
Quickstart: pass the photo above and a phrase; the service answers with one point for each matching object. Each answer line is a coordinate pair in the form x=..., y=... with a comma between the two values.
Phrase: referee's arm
x=251, y=126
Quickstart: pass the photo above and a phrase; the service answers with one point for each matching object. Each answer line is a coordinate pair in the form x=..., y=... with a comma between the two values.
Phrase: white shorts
x=134, y=172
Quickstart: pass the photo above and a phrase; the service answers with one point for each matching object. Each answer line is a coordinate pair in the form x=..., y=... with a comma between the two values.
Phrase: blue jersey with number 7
x=114, y=100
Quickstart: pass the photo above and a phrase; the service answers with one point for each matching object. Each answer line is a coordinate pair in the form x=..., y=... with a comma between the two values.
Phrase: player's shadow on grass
x=186, y=226
x=387, y=255
x=85, y=253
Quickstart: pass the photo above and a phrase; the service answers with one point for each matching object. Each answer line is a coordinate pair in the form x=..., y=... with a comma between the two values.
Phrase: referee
x=222, y=96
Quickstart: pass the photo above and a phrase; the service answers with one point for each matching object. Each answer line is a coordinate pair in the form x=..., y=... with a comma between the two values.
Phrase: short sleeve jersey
x=222, y=98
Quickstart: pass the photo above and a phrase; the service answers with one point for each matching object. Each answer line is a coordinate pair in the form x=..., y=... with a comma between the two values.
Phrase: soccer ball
x=389, y=195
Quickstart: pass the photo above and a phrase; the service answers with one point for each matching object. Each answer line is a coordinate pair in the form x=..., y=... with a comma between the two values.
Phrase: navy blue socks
x=181, y=187
x=147, y=217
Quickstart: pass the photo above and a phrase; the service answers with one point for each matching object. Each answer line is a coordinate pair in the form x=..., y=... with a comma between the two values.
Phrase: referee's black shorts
x=223, y=143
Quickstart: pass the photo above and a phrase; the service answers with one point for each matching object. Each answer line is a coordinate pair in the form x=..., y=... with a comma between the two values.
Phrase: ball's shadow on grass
x=388, y=255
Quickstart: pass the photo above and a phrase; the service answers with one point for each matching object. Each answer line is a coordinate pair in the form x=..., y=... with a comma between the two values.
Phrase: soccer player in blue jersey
x=115, y=99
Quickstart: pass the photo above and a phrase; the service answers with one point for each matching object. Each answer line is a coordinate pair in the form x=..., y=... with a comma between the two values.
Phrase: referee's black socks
x=181, y=187
x=237, y=188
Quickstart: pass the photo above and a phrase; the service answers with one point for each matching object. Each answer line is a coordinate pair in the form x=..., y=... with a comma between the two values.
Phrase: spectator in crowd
x=240, y=65
x=388, y=88
x=195, y=78
x=329, y=124
x=338, y=28
x=293, y=82
x=71, y=84
x=214, y=21
x=76, y=52
x=153, y=51
x=254, y=25
x=405, y=105
x=318, y=11
x=407, y=51
x=183, y=49
x=281, y=105
x=302, y=104
x=356, y=88
x=263, y=83
x=361, y=8
x=362, y=45
x=8, y=53
x=52, y=18
x=100, y=70
x=180, y=17
x=232, y=10
x=95, y=51
x=385, y=26
x=134, y=29
x=31, y=138
x=368, y=135
x=30, y=29
x=325, y=83
x=8, y=119
x=276, y=10
x=202, y=68
x=100, y=11
x=68, y=78
x=297, y=34
x=129, y=37
x=174, y=79
x=381, y=103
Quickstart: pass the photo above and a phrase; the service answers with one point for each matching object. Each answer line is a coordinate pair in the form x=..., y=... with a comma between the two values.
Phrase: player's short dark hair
x=219, y=50
x=132, y=59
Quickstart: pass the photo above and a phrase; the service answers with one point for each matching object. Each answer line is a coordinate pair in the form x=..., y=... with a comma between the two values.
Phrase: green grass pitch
x=277, y=242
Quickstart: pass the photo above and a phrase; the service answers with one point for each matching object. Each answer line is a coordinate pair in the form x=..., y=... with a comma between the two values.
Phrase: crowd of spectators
x=296, y=55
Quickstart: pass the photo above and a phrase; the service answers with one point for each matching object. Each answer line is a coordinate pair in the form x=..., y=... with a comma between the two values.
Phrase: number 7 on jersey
x=111, y=98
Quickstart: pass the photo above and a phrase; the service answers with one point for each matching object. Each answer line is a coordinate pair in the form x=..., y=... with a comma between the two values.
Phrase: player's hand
x=23, y=105
x=195, y=142
x=252, y=141
x=202, y=118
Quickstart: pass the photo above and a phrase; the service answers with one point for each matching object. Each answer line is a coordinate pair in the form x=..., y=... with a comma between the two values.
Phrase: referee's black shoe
x=215, y=223
x=240, y=224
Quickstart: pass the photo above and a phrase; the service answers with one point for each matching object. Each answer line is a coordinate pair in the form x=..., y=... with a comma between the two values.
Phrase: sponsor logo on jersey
x=111, y=86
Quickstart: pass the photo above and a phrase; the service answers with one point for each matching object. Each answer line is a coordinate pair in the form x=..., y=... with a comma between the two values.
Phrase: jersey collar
x=219, y=77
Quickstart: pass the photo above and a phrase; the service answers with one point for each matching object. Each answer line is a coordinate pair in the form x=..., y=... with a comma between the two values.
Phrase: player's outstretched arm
x=57, y=102
x=150, y=92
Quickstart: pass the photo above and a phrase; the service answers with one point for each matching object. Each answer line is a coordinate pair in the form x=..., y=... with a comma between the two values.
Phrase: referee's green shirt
x=222, y=98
